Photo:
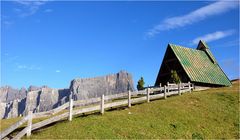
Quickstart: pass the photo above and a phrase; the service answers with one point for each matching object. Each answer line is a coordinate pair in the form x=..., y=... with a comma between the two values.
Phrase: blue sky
x=52, y=42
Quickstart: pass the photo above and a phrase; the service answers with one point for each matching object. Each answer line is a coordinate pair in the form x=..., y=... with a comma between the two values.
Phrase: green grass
x=5, y=123
x=202, y=115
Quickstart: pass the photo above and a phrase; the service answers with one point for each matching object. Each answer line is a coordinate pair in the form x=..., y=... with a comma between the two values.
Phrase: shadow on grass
x=36, y=131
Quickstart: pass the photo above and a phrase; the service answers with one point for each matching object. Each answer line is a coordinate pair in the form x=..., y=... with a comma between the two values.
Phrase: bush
x=140, y=85
x=174, y=77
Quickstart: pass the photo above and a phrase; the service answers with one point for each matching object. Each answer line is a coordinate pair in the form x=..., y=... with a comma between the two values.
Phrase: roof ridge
x=173, y=45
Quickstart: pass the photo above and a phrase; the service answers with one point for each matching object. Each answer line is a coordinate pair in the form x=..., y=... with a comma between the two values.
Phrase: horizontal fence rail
x=51, y=112
x=97, y=104
x=13, y=127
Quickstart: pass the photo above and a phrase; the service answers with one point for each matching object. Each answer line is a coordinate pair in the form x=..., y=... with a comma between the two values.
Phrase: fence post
x=189, y=86
x=129, y=98
x=102, y=104
x=148, y=92
x=179, y=88
x=70, y=109
x=165, y=94
x=167, y=86
x=29, y=124
x=38, y=107
x=160, y=85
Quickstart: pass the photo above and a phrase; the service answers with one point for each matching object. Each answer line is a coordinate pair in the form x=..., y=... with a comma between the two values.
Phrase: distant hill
x=235, y=80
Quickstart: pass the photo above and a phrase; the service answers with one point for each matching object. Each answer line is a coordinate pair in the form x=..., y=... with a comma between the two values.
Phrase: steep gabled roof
x=204, y=47
x=200, y=65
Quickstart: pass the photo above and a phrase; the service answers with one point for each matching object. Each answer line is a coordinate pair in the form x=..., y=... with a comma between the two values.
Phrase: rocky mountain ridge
x=14, y=102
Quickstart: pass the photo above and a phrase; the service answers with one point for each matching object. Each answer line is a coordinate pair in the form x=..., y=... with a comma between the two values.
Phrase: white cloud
x=225, y=44
x=202, y=13
x=213, y=36
x=21, y=67
x=29, y=7
x=7, y=23
x=17, y=10
x=5, y=20
x=231, y=43
x=30, y=2
x=47, y=10
x=57, y=71
x=9, y=59
x=28, y=67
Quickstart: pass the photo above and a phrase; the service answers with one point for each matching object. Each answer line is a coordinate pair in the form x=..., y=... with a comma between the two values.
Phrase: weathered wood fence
x=97, y=104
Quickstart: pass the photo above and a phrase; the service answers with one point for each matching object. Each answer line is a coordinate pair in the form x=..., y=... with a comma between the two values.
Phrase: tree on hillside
x=174, y=77
x=140, y=85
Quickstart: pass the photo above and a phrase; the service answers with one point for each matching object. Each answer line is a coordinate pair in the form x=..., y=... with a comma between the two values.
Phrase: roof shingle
x=200, y=65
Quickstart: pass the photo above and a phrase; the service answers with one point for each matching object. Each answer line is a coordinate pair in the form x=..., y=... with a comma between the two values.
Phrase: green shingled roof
x=200, y=65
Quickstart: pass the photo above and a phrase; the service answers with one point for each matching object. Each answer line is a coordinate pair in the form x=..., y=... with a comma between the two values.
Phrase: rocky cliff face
x=12, y=101
x=46, y=99
x=9, y=94
x=39, y=100
x=107, y=85
x=15, y=102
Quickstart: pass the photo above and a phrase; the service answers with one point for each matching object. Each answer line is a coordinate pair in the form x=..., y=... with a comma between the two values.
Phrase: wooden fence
x=97, y=104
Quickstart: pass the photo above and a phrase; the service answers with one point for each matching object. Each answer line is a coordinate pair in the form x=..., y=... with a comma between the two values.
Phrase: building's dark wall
x=170, y=62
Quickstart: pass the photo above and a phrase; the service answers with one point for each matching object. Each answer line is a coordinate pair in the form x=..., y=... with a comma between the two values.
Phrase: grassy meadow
x=210, y=114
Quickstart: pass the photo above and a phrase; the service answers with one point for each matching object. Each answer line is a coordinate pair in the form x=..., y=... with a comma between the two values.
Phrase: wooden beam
x=129, y=98
x=171, y=60
x=102, y=104
x=70, y=109
x=29, y=123
x=148, y=92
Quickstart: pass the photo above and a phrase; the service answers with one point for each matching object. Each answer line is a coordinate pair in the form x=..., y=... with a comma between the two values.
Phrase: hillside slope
x=204, y=114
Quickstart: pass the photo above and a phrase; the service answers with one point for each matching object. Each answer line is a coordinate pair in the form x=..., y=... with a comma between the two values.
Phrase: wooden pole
x=102, y=104
x=148, y=99
x=29, y=124
x=165, y=94
x=167, y=86
x=38, y=107
x=70, y=109
x=189, y=86
x=160, y=85
x=129, y=98
x=179, y=88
